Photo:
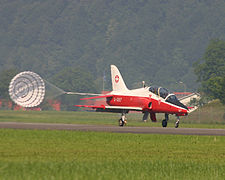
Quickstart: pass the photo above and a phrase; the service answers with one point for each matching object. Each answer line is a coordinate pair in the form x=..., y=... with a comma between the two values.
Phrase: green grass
x=212, y=113
x=49, y=154
x=58, y=117
x=134, y=119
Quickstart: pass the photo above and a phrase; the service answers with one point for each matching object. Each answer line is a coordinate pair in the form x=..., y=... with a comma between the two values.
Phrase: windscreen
x=173, y=100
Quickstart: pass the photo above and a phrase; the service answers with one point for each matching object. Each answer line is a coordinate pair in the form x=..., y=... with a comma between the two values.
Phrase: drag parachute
x=27, y=89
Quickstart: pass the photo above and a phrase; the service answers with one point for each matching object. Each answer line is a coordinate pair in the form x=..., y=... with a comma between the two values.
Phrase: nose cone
x=183, y=110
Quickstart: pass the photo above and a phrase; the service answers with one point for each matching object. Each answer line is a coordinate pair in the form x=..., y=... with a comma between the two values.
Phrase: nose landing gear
x=177, y=122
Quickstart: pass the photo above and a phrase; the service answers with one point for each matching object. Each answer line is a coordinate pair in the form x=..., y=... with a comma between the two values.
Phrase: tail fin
x=117, y=80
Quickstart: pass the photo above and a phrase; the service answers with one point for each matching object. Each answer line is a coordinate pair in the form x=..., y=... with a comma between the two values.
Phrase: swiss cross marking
x=116, y=78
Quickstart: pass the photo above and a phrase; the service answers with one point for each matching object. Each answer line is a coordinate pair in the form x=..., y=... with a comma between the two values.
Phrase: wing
x=103, y=108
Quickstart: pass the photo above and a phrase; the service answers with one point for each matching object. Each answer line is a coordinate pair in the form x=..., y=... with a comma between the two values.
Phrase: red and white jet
x=149, y=100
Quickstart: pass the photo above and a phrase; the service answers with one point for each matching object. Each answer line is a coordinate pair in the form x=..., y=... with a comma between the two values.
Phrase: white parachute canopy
x=27, y=89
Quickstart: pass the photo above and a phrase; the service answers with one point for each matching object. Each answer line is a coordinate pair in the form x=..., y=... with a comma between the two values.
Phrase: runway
x=114, y=129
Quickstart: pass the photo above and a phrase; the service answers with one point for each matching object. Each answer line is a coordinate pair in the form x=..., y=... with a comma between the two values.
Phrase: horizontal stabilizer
x=83, y=94
x=91, y=106
x=97, y=97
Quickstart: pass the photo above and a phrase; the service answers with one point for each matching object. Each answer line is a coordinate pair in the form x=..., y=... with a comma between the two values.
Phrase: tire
x=164, y=123
x=176, y=124
x=121, y=123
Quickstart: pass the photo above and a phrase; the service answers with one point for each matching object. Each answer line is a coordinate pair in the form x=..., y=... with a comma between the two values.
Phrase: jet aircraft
x=148, y=100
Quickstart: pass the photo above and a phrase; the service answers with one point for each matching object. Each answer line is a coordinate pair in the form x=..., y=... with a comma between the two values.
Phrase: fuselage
x=146, y=100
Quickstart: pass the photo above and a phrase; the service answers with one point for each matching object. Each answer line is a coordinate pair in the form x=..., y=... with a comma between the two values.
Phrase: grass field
x=134, y=119
x=212, y=113
x=50, y=154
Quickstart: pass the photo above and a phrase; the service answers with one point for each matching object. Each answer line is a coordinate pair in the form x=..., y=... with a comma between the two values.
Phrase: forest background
x=72, y=43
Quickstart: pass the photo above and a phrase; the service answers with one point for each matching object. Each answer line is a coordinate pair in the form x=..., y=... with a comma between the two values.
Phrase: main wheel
x=177, y=124
x=121, y=123
x=164, y=123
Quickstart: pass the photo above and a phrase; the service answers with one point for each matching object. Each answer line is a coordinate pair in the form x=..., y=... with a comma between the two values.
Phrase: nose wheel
x=177, y=122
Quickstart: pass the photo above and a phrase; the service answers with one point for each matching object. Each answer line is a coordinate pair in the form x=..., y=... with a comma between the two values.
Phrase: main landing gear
x=122, y=120
x=164, y=122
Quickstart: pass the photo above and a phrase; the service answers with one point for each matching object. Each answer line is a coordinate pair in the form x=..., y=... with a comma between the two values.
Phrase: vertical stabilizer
x=117, y=80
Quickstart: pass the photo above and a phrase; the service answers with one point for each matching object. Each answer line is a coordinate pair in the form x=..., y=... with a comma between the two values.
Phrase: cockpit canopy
x=162, y=92
x=173, y=99
x=165, y=94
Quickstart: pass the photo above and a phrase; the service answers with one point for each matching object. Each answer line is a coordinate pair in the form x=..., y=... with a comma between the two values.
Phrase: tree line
x=156, y=41
x=210, y=70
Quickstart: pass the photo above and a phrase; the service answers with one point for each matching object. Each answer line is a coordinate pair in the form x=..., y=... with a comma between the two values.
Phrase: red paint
x=158, y=106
